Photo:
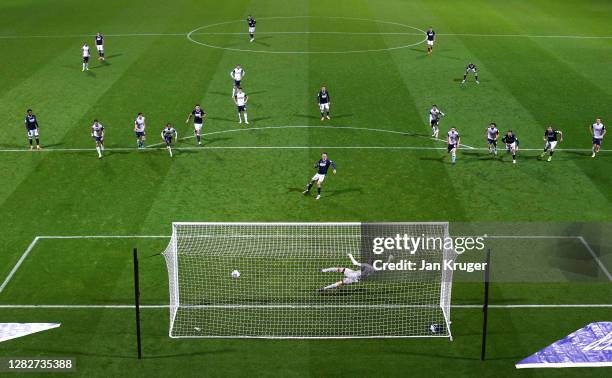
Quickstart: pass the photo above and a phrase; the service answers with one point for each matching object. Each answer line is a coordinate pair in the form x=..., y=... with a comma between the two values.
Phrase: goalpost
x=276, y=293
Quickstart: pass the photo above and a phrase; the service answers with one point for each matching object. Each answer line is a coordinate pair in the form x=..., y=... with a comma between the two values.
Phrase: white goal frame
x=171, y=255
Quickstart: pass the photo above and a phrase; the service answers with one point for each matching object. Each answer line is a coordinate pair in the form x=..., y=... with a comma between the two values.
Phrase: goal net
x=284, y=268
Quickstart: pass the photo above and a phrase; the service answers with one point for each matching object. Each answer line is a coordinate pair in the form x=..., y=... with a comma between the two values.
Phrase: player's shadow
x=339, y=192
x=307, y=116
x=229, y=95
x=192, y=354
x=210, y=141
x=223, y=119
x=438, y=159
x=259, y=42
x=113, y=56
x=257, y=119
x=257, y=92
x=90, y=73
x=345, y=115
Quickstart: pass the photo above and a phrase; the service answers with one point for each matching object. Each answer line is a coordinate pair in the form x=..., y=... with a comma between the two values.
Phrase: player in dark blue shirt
x=198, y=115
x=471, y=67
x=324, y=101
x=322, y=166
x=100, y=46
x=251, y=21
x=551, y=138
x=431, y=38
x=512, y=144
x=31, y=125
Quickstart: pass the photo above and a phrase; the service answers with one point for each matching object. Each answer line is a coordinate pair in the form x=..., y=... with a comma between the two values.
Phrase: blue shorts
x=140, y=134
x=597, y=141
x=99, y=139
x=236, y=83
x=242, y=108
x=451, y=147
x=168, y=140
x=492, y=141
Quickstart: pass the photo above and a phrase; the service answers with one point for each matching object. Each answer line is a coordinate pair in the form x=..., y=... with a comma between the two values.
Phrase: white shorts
x=318, y=177
x=32, y=133
x=100, y=47
x=324, y=107
x=430, y=43
x=511, y=146
x=351, y=276
x=197, y=126
x=251, y=30
x=551, y=145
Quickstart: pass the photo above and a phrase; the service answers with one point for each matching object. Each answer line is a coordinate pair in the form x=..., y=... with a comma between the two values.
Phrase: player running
x=435, y=115
x=453, y=139
x=97, y=133
x=324, y=101
x=31, y=125
x=240, y=99
x=551, y=137
x=167, y=134
x=322, y=166
x=492, y=133
x=237, y=74
x=251, y=21
x=431, y=38
x=598, y=130
x=198, y=115
x=471, y=67
x=85, y=53
x=100, y=46
x=512, y=144
x=139, y=130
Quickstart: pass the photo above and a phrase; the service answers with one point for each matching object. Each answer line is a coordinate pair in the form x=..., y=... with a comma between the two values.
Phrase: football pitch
x=71, y=220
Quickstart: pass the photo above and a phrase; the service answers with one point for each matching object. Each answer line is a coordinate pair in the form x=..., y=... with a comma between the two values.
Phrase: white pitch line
x=160, y=306
x=596, y=258
x=18, y=264
x=121, y=35
x=209, y=148
x=309, y=32
x=526, y=36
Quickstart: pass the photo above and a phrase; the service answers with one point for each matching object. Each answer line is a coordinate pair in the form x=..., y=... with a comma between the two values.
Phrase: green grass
x=380, y=100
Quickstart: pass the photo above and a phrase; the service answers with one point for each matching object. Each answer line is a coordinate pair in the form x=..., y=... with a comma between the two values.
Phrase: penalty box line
x=31, y=246
x=230, y=306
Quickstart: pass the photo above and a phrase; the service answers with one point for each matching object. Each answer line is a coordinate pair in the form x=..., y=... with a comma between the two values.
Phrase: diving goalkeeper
x=350, y=276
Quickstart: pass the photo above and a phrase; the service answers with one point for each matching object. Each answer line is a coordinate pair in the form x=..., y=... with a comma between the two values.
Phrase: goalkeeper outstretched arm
x=350, y=276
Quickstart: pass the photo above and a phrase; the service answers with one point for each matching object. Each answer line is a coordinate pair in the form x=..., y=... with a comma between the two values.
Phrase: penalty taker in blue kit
x=351, y=276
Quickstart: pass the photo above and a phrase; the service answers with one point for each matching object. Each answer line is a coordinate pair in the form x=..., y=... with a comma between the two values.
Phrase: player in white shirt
x=139, y=130
x=351, y=276
x=167, y=134
x=85, y=53
x=241, y=101
x=237, y=74
x=435, y=115
x=97, y=133
x=598, y=130
x=453, y=139
x=492, y=133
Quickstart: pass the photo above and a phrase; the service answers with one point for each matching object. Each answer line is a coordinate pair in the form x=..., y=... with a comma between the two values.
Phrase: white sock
x=170, y=151
x=246, y=118
x=102, y=147
x=334, y=285
x=239, y=118
x=329, y=270
x=99, y=152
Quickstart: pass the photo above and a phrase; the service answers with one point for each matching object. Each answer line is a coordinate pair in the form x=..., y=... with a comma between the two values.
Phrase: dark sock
x=476, y=77
x=37, y=141
x=198, y=138
x=328, y=113
x=30, y=142
x=319, y=191
x=513, y=157
x=551, y=152
x=322, y=114
x=464, y=77
x=309, y=186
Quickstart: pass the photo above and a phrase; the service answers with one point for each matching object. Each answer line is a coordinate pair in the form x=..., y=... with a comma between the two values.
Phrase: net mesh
x=277, y=294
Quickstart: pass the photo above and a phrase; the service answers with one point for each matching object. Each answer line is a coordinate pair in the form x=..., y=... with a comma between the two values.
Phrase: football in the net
x=235, y=274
